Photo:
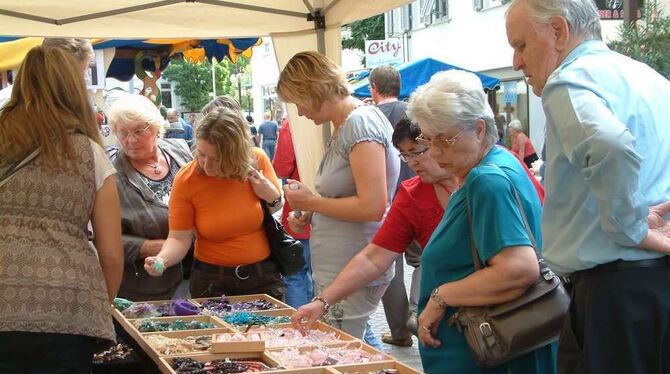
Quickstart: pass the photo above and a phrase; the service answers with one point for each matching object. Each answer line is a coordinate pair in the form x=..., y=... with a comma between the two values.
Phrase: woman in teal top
x=461, y=134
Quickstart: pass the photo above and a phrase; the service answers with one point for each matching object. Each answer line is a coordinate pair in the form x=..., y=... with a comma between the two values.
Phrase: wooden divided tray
x=318, y=326
x=165, y=363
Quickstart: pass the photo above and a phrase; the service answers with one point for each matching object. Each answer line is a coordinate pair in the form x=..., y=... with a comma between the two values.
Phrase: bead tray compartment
x=277, y=353
x=374, y=367
x=181, y=335
x=165, y=364
x=269, y=313
x=247, y=298
x=157, y=303
x=320, y=326
x=206, y=319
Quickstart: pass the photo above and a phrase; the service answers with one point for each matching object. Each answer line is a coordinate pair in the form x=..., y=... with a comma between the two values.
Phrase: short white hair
x=453, y=98
x=516, y=125
x=582, y=15
x=135, y=108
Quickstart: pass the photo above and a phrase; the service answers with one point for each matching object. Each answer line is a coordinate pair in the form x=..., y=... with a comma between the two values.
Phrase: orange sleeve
x=181, y=210
x=265, y=167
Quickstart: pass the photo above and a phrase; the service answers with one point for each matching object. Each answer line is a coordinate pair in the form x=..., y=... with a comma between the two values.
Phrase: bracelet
x=273, y=202
x=435, y=295
x=326, y=306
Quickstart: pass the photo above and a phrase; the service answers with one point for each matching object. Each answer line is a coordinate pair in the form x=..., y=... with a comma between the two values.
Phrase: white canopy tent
x=294, y=25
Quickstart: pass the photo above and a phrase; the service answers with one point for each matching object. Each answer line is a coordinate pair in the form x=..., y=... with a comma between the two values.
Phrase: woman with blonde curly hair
x=356, y=181
x=217, y=197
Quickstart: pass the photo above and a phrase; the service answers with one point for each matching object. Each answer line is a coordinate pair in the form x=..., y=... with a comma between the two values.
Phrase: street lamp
x=236, y=75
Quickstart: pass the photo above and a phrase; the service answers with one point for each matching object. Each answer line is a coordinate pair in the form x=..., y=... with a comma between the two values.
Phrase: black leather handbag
x=285, y=251
x=498, y=333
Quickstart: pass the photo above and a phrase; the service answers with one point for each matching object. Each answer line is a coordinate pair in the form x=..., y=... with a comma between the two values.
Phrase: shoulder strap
x=475, y=254
x=13, y=169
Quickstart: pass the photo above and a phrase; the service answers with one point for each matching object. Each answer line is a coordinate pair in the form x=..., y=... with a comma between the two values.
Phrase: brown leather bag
x=498, y=333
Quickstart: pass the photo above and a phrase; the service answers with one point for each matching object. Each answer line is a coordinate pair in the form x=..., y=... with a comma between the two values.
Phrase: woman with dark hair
x=56, y=287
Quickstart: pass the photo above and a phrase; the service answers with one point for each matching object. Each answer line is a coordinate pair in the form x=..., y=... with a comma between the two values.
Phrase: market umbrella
x=416, y=73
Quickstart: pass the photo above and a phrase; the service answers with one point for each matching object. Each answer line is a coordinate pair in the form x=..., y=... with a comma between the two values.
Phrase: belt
x=242, y=272
x=661, y=262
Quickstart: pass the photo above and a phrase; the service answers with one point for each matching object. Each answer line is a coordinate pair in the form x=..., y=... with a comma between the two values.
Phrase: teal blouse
x=497, y=224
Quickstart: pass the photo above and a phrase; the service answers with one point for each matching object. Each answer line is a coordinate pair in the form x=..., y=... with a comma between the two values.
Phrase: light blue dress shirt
x=608, y=157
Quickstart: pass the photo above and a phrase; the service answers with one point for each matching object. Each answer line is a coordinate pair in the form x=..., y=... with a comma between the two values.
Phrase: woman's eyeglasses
x=136, y=133
x=439, y=143
x=407, y=157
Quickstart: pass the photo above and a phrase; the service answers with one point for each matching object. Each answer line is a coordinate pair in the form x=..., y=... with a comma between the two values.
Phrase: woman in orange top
x=217, y=197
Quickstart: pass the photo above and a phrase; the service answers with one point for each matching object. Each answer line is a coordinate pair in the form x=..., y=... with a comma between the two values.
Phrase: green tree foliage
x=647, y=41
x=194, y=81
x=366, y=29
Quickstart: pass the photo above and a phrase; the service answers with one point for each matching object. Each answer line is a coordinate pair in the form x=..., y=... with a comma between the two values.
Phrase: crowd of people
x=425, y=179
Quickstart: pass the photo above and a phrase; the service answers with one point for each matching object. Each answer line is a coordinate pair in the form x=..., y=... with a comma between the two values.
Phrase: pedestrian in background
x=268, y=131
x=607, y=180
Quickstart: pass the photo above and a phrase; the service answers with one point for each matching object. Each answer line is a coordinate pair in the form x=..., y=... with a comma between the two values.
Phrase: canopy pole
x=320, y=28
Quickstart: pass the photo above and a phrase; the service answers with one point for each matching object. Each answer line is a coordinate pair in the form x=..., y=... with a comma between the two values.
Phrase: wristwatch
x=273, y=202
x=435, y=295
x=326, y=306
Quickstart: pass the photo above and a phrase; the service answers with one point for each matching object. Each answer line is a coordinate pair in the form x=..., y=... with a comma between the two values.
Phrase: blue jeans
x=370, y=337
x=300, y=286
x=269, y=148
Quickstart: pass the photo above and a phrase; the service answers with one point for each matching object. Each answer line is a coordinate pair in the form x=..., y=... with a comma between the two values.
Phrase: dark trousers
x=619, y=322
x=209, y=280
x=44, y=353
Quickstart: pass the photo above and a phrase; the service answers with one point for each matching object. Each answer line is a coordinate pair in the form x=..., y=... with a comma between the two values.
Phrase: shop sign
x=383, y=52
x=613, y=9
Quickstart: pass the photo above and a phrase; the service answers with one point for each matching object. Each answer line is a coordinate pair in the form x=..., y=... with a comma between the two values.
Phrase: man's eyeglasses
x=439, y=143
x=136, y=133
x=407, y=157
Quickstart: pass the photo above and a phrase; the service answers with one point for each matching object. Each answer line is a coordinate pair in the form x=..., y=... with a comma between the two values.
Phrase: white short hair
x=582, y=15
x=135, y=108
x=453, y=98
x=516, y=125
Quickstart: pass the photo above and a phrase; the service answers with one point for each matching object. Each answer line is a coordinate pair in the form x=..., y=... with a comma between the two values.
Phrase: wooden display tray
x=374, y=366
x=183, y=334
x=344, y=337
x=164, y=363
x=242, y=298
x=274, y=352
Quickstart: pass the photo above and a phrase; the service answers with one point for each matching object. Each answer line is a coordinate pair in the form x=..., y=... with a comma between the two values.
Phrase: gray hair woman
x=521, y=145
x=458, y=125
x=146, y=167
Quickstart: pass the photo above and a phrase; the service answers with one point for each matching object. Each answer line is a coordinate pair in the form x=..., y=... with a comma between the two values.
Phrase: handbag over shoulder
x=285, y=251
x=498, y=333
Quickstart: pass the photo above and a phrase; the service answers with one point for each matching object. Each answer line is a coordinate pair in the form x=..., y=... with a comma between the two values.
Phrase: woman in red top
x=521, y=145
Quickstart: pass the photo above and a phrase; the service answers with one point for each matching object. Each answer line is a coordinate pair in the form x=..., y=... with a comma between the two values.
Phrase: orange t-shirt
x=226, y=214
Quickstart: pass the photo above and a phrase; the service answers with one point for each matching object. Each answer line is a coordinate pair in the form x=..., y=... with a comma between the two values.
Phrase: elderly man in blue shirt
x=607, y=184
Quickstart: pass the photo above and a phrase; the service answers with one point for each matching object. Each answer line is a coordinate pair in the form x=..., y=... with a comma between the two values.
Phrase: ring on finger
x=426, y=328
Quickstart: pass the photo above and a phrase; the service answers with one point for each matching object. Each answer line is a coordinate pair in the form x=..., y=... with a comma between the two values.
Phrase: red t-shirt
x=414, y=214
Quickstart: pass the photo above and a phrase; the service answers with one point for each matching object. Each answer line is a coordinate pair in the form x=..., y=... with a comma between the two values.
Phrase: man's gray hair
x=582, y=15
x=453, y=98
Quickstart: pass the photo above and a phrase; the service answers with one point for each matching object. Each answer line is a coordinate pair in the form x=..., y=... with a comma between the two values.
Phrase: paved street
x=409, y=355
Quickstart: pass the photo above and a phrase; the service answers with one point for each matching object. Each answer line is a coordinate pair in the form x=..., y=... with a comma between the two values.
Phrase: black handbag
x=498, y=333
x=285, y=251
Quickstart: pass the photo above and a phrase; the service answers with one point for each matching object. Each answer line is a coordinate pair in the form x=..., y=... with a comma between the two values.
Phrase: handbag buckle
x=485, y=329
x=237, y=273
x=548, y=275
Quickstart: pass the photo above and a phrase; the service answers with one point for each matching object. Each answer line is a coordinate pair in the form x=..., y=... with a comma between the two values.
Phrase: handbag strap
x=475, y=254
x=13, y=169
